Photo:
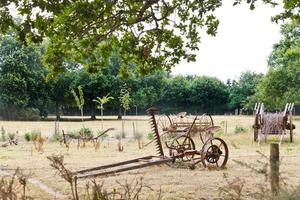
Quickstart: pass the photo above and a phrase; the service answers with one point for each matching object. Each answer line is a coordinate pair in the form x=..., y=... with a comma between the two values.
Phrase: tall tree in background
x=240, y=91
x=22, y=83
x=207, y=94
x=282, y=81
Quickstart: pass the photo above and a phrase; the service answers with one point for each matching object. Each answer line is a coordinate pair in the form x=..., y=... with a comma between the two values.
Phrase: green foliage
x=86, y=132
x=27, y=137
x=151, y=136
x=3, y=134
x=239, y=129
x=242, y=90
x=79, y=98
x=281, y=83
x=35, y=134
x=145, y=32
x=74, y=134
x=207, y=92
x=125, y=98
x=139, y=135
x=101, y=101
x=56, y=138
x=22, y=85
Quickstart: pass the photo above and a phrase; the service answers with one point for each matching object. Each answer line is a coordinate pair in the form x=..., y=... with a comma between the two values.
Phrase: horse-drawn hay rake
x=214, y=152
x=173, y=124
x=273, y=123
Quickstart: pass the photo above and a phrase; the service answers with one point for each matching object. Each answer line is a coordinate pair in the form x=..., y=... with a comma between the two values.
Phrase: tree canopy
x=150, y=34
x=282, y=81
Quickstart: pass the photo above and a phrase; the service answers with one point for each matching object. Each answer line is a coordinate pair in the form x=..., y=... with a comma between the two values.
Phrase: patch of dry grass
x=176, y=183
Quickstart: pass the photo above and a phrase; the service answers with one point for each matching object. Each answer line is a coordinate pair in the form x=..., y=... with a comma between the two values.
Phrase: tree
x=176, y=92
x=79, y=100
x=151, y=34
x=60, y=91
x=101, y=101
x=22, y=83
x=242, y=90
x=207, y=94
x=281, y=83
x=125, y=101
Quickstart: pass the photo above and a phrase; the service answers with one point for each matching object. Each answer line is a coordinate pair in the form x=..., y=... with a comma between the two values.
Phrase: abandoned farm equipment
x=273, y=123
x=172, y=124
x=214, y=152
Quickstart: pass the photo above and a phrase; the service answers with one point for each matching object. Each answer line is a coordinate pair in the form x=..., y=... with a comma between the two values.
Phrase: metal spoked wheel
x=214, y=153
x=256, y=126
x=205, y=121
x=164, y=123
x=181, y=144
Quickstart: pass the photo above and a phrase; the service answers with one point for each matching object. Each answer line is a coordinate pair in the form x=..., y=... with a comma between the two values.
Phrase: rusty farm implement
x=214, y=152
x=273, y=123
x=172, y=124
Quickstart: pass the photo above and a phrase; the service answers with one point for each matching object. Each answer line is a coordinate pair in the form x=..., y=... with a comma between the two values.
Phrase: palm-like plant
x=101, y=101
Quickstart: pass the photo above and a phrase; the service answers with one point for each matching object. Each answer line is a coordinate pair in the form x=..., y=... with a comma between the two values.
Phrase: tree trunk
x=120, y=113
x=93, y=114
x=57, y=111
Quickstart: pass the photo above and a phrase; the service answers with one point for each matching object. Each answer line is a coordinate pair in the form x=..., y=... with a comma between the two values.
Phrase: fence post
x=274, y=168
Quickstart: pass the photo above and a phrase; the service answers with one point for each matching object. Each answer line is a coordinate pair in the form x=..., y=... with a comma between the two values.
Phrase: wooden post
x=225, y=127
x=274, y=168
x=134, y=132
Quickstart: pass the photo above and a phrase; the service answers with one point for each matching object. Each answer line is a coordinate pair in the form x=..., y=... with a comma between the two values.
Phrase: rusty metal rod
x=156, y=162
x=113, y=165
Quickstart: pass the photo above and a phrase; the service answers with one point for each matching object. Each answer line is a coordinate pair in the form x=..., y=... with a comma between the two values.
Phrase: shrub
x=35, y=134
x=150, y=136
x=56, y=137
x=139, y=136
x=86, y=132
x=27, y=137
x=239, y=129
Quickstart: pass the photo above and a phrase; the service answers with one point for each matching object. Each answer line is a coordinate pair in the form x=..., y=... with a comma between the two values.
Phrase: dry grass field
x=174, y=182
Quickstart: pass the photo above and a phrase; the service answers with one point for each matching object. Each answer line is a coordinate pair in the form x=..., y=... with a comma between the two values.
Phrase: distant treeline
x=28, y=91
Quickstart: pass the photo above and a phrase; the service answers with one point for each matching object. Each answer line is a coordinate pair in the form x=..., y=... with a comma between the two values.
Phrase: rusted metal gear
x=214, y=153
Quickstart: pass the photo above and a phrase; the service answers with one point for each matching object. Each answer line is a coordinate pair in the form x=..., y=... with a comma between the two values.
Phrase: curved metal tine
x=286, y=109
x=255, y=107
x=261, y=109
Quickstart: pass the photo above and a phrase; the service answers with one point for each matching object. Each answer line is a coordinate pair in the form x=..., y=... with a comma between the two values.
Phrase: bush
x=150, y=136
x=35, y=134
x=239, y=129
x=73, y=134
x=86, y=132
x=27, y=137
x=56, y=137
x=139, y=136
